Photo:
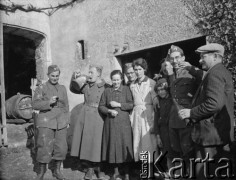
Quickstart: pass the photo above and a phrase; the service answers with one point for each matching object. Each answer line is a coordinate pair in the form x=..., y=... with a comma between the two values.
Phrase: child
x=162, y=118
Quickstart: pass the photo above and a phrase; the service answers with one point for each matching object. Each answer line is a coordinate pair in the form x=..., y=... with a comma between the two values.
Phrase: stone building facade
x=106, y=32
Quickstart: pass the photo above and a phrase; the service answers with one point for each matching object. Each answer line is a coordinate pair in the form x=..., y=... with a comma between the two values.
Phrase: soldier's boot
x=42, y=170
x=57, y=171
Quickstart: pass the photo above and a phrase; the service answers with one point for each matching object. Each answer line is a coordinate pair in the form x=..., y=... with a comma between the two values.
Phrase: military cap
x=212, y=48
x=53, y=68
x=174, y=48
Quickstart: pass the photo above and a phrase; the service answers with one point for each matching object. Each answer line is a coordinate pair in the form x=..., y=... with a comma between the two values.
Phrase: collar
x=100, y=84
x=145, y=79
x=216, y=65
x=51, y=85
x=119, y=89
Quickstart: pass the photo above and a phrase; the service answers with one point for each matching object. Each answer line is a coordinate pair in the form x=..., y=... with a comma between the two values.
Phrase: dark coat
x=74, y=119
x=53, y=117
x=162, y=115
x=182, y=88
x=86, y=140
x=213, y=108
x=117, y=146
x=161, y=124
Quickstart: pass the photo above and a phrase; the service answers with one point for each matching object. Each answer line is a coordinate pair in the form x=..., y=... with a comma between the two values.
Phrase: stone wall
x=110, y=25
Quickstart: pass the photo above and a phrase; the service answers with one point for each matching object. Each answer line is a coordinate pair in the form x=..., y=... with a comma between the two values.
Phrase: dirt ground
x=17, y=160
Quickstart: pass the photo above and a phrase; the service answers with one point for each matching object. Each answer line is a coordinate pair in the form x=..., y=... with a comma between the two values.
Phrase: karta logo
x=223, y=167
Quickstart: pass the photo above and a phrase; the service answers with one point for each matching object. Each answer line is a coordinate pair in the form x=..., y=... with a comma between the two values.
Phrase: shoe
x=103, y=176
x=57, y=171
x=116, y=177
x=42, y=170
x=90, y=174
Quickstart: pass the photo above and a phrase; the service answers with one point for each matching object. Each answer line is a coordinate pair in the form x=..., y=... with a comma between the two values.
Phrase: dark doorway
x=19, y=64
x=155, y=55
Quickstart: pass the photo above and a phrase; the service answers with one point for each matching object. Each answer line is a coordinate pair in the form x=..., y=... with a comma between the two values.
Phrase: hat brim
x=206, y=52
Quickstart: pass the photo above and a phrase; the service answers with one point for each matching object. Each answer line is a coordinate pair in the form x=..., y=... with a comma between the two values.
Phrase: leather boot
x=90, y=174
x=57, y=171
x=42, y=170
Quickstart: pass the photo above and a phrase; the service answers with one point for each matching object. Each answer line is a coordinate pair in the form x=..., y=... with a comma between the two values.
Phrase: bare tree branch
x=13, y=7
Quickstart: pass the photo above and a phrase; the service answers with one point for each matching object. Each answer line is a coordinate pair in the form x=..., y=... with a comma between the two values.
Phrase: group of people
x=186, y=112
x=114, y=123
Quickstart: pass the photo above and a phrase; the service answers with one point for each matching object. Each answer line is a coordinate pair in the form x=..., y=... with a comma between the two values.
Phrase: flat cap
x=212, y=48
x=53, y=68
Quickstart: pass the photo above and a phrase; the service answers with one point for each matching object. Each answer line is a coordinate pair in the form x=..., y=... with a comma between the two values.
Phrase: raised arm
x=77, y=83
x=194, y=71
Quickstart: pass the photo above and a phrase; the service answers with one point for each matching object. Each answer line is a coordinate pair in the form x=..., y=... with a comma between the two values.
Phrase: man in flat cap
x=86, y=142
x=212, y=109
x=50, y=99
x=183, y=86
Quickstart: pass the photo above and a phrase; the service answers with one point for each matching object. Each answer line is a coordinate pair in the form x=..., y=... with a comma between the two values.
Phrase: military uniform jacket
x=213, y=108
x=182, y=88
x=51, y=116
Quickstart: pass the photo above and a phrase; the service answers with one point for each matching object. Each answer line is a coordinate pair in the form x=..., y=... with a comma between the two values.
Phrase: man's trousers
x=51, y=144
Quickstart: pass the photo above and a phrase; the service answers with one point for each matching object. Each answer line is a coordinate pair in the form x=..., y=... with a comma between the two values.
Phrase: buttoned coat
x=87, y=136
x=213, y=108
x=50, y=116
x=182, y=88
x=117, y=133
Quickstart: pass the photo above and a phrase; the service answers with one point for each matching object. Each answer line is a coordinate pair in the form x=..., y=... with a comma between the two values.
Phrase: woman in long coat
x=86, y=140
x=142, y=117
x=115, y=104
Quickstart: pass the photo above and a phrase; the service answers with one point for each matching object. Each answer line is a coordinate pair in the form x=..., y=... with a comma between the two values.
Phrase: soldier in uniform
x=50, y=99
x=182, y=88
x=87, y=136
